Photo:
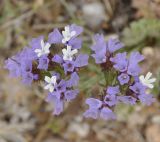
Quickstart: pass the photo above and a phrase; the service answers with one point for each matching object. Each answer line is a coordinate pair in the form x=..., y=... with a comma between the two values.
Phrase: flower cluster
x=57, y=62
x=126, y=87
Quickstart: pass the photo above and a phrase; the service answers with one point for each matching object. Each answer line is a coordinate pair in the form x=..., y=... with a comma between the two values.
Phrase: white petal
x=46, y=51
x=63, y=33
x=37, y=50
x=68, y=48
x=53, y=79
x=150, y=85
x=66, y=28
x=47, y=46
x=66, y=31
x=68, y=58
x=47, y=79
x=63, y=41
x=141, y=78
x=64, y=58
x=47, y=86
x=148, y=75
x=64, y=51
x=74, y=51
x=152, y=80
x=39, y=54
x=147, y=80
x=51, y=88
x=42, y=44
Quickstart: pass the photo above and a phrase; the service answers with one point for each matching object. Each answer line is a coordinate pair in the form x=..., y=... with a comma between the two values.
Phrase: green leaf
x=141, y=33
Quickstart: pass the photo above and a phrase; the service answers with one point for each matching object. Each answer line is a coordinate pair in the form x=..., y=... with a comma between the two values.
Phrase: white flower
x=51, y=83
x=68, y=53
x=147, y=80
x=67, y=34
x=44, y=49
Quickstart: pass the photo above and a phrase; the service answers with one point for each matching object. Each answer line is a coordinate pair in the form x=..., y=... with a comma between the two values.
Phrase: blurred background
x=24, y=114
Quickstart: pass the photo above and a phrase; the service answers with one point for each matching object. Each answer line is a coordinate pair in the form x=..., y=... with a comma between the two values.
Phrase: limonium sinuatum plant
x=57, y=61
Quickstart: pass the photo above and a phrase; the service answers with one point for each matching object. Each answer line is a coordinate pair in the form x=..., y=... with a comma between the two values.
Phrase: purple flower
x=122, y=64
x=127, y=100
x=111, y=100
x=113, y=90
x=36, y=42
x=58, y=77
x=136, y=78
x=114, y=45
x=26, y=65
x=28, y=53
x=123, y=78
x=59, y=106
x=58, y=59
x=13, y=66
x=94, y=103
x=81, y=60
x=133, y=69
x=21, y=66
x=146, y=99
x=74, y=80
x=111, y=97
x=140, y=91
x=138, y=88
x=61, y=86
x=100, y=44
x=69, y=61
x=35, y=76
x=54, y=98
x=27, y=77
x=68, y=66
x=120, y=61
x=100, y=49
x=63, y=91
x=67, y=37
x=103, y=50
x=76, y=43
x=71, y=94
x=96, y=110
x=93, y=111
x=107, y=114
x=55, y=37
x=58, y=98
x=99, y=57
x=136, y=57
x=43, y=63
